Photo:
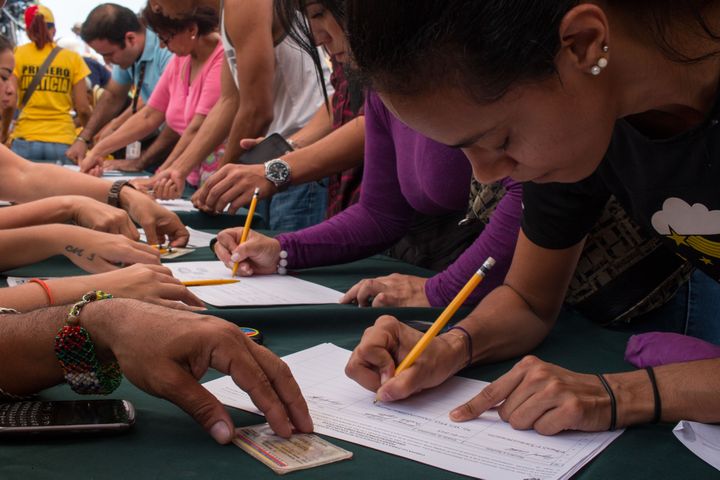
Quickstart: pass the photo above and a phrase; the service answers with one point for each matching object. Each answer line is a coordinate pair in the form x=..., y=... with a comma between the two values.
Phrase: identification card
x=133, y=151
x=301, y=451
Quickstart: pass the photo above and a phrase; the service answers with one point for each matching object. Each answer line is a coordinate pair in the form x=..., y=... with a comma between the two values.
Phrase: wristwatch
x=278, y=172
x=114, y=194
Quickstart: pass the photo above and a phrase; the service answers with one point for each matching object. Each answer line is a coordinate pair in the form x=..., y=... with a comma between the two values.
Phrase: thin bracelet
x=656, y=395
x=469, y=343
x=613, y=402
x=44, y=287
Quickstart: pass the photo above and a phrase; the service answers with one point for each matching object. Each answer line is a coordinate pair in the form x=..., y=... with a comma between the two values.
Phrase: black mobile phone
x=273, y=146
x=66, y=416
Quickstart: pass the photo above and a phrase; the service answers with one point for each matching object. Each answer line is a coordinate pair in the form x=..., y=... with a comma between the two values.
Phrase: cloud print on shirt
x=686, y=219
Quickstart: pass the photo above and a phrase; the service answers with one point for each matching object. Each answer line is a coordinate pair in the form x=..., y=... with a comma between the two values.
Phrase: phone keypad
x=24, y=414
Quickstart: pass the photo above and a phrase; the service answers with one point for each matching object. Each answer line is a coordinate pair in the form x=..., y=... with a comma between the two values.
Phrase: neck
x=140, y=45
x=645, y=80
x=204, y=47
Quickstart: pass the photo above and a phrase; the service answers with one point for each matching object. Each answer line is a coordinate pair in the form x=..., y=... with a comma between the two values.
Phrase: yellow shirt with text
x=46, y=117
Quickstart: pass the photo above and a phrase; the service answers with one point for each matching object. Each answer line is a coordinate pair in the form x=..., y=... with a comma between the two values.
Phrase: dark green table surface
x=166, y=443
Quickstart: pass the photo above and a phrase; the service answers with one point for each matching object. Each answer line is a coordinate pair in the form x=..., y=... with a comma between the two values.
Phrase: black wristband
x=613, y=402
x=656, y=395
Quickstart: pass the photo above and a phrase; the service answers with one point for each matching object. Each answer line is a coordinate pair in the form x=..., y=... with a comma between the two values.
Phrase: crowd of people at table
x=579, y=153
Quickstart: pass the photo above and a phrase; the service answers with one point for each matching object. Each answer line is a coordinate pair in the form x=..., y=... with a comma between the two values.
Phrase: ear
x=584, y=32
x=130, y=39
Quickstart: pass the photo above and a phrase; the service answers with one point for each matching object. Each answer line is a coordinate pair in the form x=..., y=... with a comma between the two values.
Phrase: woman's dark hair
x=110, y=22
x=486, y=46
x=296, y=26
x=39, y=32
x=205, y=18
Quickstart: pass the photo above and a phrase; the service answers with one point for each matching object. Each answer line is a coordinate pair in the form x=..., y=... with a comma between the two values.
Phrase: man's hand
x=394, y=290
x=158, y=222
x=95, y=215
x=123, y=165
x=77, y=151
x=168, y=184
x=233, y=185
x=92, y=164
x=165, y=352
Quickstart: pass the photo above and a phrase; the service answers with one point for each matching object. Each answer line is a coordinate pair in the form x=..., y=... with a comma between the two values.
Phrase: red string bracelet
x=44, y=287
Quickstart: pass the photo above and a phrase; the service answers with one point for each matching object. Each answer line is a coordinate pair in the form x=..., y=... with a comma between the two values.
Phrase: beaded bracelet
x=44, y=287
x=282, y=263
x=76, y=354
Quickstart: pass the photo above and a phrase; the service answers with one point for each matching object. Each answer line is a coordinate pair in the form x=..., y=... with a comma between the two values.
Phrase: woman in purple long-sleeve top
x=405, y=174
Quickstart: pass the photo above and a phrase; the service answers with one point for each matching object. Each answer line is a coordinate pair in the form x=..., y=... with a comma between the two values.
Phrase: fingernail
x=456, y=415
x=220, y=432
x=385, y=396
x=384, y=377
x=235, y=257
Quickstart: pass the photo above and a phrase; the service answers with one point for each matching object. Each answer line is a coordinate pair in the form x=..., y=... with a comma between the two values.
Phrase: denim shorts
x=41, y=151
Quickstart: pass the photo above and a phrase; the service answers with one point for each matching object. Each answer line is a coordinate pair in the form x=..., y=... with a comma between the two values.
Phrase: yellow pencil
x=246, y=228
x=446, y=315
x=202, y=283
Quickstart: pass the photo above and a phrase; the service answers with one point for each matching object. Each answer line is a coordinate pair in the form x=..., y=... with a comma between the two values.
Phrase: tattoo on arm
x=79, y=252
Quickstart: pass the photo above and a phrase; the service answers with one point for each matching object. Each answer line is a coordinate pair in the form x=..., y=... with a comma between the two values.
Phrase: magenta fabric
x=179, y=99
x=661, y=348
x=406, y=172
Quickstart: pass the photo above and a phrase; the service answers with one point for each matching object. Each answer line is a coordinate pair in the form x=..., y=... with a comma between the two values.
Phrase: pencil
x=202, y=283
x=445, y=316
x=246, y=228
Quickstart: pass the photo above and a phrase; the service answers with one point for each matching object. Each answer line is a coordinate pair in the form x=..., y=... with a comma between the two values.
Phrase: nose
x=489, y=166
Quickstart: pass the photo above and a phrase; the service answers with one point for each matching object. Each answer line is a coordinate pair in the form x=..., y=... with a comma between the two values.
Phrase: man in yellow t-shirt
x=45, y=128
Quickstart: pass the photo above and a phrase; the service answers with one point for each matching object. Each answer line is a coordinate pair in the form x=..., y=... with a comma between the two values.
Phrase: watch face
x=277, y=171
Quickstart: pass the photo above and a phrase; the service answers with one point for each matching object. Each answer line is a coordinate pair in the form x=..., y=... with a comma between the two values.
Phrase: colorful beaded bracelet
x=76, y=354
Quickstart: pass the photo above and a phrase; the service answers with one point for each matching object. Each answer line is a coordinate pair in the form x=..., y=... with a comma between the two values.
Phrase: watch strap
x=114, y=194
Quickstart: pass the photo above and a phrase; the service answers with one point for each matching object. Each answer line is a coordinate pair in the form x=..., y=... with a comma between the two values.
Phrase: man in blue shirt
x=115, y=33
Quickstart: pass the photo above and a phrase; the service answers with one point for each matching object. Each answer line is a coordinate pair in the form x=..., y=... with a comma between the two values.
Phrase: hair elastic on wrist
x=613, y=402
x=469, y=343
x=44, y=287
x=656, y=395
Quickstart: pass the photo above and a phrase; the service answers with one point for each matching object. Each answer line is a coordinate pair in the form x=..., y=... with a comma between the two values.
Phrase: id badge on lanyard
x=133, y=150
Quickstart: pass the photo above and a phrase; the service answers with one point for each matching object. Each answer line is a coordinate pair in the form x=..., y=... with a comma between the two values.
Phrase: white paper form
x=110, y=174
x=419, y=428
x=262, y=290
x=198, y=238
x=178, y=205
x=701, y=439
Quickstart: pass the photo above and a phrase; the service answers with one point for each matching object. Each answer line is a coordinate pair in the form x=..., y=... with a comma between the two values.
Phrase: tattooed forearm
x=78, y=251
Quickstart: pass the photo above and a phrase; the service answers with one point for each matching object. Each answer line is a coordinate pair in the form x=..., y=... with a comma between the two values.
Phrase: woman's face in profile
x=7, y=91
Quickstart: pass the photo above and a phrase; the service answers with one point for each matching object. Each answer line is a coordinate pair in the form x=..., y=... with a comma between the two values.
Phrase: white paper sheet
x=262, y=290
x=419, y=428
x=701, y=439
x=178, y=205
x=15, y=281
x=198, y=238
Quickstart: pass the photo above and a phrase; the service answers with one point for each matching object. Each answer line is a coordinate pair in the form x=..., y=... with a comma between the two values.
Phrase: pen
x=246, y=228
x=202, y=283
x=445, y=316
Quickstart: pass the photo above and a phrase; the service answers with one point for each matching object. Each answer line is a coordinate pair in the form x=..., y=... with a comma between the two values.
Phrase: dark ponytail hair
x=484, y=47
x=291, y=16
x=39, y=32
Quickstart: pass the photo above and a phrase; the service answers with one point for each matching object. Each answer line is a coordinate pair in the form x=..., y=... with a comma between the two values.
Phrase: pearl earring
x=601, y=63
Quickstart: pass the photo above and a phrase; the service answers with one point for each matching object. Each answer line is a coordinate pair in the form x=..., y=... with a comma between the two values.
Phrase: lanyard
x=138, y=86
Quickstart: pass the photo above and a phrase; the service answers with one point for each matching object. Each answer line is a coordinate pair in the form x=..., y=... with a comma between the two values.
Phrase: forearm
x=250, y=122
x=212, y=133
x=319, y=126
x=106, y=109
x=134, y=129
x=185, y=141
x=503, y=326
x=31, y=296
x=159, y=150
x=688, y=391
x=38, y=212
x=28, y=245
x=338, y=151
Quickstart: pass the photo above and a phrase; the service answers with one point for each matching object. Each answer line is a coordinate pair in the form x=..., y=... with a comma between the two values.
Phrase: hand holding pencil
x=382, y=360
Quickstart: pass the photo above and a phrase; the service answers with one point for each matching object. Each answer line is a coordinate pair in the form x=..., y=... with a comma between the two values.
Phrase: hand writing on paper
x=541, y=396
x=394, y=290
x=384, y=345
x=259, y=255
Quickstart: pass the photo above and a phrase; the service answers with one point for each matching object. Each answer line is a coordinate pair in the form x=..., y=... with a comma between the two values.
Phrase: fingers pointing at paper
x=545, y=397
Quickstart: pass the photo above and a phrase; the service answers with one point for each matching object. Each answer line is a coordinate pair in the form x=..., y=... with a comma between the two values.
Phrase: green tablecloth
x=166, y=443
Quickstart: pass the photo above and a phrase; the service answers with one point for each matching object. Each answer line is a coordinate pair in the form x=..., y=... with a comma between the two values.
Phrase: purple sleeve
x=377, y=221
x=497, y=240
x=661, y=348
